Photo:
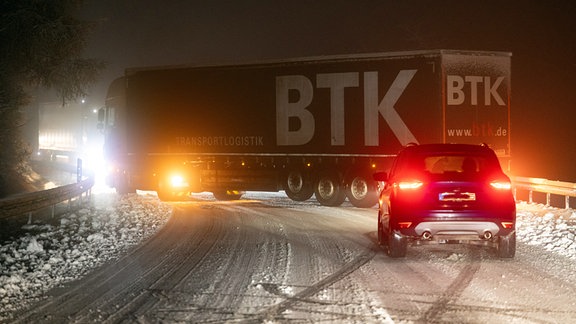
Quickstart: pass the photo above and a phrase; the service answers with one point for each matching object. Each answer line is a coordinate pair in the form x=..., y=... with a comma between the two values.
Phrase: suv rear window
x=444, y=163
x=438, y=164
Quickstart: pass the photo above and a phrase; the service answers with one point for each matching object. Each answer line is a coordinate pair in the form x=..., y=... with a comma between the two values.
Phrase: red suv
x=441, y=193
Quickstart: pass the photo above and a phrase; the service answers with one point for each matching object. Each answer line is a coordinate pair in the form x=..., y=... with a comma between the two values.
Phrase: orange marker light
x=405, y=224
x=507, y=224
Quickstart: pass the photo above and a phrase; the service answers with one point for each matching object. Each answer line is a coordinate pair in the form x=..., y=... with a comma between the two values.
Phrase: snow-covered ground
x=49, y=255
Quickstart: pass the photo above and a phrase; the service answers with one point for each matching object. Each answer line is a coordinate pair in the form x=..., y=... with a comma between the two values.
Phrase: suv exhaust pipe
x=487, y=235
x=426, y=235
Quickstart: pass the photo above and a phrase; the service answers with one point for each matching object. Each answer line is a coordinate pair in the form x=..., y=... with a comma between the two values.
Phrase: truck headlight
x=178, y=181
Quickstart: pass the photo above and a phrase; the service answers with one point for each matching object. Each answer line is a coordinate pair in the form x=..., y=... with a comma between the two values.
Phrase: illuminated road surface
x=271, y=260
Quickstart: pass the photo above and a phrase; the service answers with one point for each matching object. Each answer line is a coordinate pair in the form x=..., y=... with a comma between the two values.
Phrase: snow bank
x=50, y=255
x=550, y=228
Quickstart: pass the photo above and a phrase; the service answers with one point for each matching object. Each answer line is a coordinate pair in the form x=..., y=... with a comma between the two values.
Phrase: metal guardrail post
x=78, y=170
x=546, y=186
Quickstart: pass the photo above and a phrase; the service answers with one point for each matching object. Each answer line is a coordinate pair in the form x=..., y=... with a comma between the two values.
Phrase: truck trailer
x=66, y=132
x=317, y=126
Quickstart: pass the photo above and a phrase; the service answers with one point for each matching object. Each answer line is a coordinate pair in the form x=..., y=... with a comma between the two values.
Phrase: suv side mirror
x=380, y=176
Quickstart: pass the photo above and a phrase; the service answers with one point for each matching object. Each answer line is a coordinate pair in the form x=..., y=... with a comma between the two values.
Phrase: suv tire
x=397, y=245
x=381, y=236
x=507, y=246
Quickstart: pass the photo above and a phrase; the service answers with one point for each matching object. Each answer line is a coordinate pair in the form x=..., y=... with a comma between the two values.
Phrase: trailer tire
x=166, y=193
x=167, y=196
x=123, y=186
x=361, y=190
x=298, y=185
x=227, y=195
x=329, y=189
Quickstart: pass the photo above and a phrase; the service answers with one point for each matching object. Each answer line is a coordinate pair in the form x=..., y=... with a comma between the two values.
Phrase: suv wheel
x=507, y=246
x=397, y=245
x=381, y=238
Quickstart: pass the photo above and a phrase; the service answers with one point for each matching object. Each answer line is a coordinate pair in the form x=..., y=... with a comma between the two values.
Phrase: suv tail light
x=501, y=184
x=410, y=185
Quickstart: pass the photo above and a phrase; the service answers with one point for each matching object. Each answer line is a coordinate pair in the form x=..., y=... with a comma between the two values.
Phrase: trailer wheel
x=166, y=193
x=361, y=191
x=329, y=189
x=298, y=186
x=228, y=195
x=167, y=196
x=123, y=186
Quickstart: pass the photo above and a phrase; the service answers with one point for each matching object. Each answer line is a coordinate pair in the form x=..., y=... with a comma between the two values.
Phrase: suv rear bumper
x=484, y=230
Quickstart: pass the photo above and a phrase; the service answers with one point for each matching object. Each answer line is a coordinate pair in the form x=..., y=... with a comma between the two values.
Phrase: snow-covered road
x=268, y=259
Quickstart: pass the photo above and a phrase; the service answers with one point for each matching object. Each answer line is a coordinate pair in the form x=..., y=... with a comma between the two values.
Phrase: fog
x=134, y=33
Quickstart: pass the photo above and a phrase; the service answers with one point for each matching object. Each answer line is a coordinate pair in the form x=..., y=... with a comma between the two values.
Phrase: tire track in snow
x=454, y=290
x=225, y=296
x=121, y=289
x=188, y=256
x=245, y=256
x=347, y=269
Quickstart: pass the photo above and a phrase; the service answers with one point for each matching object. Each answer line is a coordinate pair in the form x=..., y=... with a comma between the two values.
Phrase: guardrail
x=28, y=203
x=549, y=187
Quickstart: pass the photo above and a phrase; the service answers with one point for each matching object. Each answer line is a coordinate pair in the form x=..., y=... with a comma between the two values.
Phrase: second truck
x=317, y=126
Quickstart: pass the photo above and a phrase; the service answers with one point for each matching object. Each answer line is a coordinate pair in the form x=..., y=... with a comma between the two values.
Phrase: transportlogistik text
x=220, y=140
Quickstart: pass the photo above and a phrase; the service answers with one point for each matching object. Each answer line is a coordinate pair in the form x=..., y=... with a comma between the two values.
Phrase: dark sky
x=540, y=34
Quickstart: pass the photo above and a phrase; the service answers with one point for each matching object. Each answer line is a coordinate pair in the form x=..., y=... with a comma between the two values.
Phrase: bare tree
x=41, y=44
